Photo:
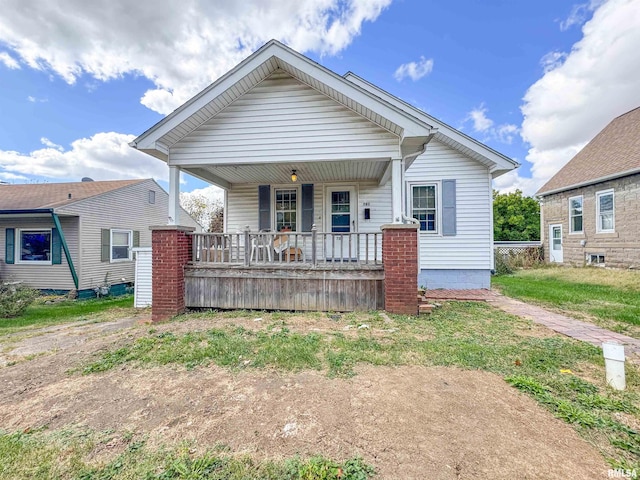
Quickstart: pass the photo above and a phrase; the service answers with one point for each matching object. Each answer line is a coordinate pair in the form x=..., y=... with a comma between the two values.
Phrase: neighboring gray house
x=65, y=236
x=591, y=207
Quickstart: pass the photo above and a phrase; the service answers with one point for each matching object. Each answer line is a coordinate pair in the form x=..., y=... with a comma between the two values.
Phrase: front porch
x=285, y=271
x=225, y=271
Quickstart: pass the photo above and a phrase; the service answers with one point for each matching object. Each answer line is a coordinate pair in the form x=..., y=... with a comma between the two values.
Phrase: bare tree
x=207, y=212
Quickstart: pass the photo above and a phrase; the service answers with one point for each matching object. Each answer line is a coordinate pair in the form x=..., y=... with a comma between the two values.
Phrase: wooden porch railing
x=277, y=248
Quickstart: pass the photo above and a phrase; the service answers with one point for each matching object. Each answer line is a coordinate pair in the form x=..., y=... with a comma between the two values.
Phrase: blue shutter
x=448, y=207
x=105, y=245
x=9, y=243
x=307, y=207
x=264, y=207
x=56, y=247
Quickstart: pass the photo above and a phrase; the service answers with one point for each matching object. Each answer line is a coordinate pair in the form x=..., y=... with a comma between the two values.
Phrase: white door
x=341, y=219
x=555, y=243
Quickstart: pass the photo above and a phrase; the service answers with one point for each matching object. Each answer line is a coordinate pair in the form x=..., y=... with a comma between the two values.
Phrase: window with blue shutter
x=424, y=207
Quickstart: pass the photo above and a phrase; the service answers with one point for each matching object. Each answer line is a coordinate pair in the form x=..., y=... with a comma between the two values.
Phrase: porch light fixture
x=294, y=176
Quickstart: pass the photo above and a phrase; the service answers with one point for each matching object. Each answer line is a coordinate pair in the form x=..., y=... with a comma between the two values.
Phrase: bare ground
x=409, y=422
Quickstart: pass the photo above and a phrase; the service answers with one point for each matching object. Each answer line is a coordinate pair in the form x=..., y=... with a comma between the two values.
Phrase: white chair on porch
x=262, y=242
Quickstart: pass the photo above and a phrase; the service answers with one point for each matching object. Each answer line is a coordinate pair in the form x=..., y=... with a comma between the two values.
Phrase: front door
x=555, y=243
x=341, y=220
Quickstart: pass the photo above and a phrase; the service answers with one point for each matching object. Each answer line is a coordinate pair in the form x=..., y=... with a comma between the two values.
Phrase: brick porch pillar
x=171, y=250
x=400, y=260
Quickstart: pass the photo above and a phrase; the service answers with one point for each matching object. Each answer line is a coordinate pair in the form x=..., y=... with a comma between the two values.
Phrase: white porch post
x=174, y=196
x=396, y=190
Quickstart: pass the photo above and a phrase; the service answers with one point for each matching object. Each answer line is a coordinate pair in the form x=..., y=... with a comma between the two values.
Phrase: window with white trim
x=575, y=214
x=34, y=246
x=424, y=206
x=605, y=218
x=286, y=208
x=121, y=244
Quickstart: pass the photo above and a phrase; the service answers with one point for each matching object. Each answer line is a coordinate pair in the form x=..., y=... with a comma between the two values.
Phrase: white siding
x=126, y=208
x=471, y=247
x=144, y=274
x=56, y=277
x=284, y=120
x=242, y=206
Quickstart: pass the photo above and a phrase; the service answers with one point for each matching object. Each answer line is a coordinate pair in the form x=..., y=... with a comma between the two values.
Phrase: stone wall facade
x=621, y=248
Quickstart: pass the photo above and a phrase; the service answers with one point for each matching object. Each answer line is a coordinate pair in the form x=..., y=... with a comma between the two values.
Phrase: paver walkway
x=571, y=327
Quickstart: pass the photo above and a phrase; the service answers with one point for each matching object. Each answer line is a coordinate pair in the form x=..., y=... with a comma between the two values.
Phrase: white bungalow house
x=295, y=145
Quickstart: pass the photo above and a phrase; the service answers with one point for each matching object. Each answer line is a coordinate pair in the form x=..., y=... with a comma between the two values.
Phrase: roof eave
x=501, y=163
x=613, y=176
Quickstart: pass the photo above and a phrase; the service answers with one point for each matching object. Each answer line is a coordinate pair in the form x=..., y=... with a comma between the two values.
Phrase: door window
x=340, y=211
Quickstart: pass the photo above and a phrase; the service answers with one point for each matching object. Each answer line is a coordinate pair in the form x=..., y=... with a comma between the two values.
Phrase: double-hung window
x=575, y=214
x=34, y=246
x=286, y=207
x=424, y=204
x=121, y=244
x=605, y=218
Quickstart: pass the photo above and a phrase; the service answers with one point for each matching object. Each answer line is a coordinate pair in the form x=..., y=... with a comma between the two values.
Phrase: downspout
x=65, y=247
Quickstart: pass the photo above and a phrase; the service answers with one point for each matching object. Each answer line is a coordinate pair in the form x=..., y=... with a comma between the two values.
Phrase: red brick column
x=400, y=260
x=171, y=250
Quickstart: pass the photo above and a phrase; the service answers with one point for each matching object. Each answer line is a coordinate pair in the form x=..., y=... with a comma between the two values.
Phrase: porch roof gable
x=157, y=140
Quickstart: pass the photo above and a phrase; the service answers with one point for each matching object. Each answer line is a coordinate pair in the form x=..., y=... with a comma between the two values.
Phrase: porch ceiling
x=308, y=172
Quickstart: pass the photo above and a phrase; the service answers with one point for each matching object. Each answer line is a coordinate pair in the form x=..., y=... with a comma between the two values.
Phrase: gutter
x=29, y=210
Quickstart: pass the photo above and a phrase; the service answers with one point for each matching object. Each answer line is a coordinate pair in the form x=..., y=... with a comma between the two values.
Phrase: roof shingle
x=52, y=195
x=615, y=150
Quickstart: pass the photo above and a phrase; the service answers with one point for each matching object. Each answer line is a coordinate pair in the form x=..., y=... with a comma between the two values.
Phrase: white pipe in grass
x=614, y=364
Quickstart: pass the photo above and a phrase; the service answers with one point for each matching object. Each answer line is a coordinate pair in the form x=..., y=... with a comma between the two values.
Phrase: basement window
x=595, y=259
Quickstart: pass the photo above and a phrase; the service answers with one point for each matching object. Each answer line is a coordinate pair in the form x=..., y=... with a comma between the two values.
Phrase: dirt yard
x=409, y=422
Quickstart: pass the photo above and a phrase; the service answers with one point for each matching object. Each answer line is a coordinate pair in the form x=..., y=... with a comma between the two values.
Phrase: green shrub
x=14, y=299
x=503, y=265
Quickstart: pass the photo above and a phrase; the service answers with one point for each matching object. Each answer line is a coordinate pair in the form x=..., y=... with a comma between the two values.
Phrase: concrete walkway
x=570, y=327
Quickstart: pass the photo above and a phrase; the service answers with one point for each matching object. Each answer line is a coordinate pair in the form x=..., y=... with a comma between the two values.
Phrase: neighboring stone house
x=591, y=207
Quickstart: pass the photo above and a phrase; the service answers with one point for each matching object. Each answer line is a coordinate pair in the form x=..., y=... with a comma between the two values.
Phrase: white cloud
x=579, y=14
x=479, y=118
x=481, y=123
x=552, y=60
x=104, y=156
x=414, y=70
x=9, y=61
x=578, y=97
x=180, y=46
x=10, y=177
x=48, y=143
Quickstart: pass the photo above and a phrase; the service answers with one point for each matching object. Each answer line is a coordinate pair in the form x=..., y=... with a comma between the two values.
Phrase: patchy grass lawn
x=41, y=314
x=609, y=298
x=564, y=375
x=60, y=455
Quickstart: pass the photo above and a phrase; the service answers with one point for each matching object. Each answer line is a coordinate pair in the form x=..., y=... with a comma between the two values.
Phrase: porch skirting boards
x=462, y=279
x=295, y=287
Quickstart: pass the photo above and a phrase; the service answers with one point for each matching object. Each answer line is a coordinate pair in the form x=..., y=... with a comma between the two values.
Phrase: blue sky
x=534, y=80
